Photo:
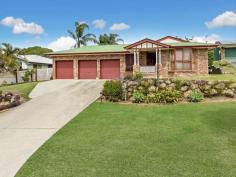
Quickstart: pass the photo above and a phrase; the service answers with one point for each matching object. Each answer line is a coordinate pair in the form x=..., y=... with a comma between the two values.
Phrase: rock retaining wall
x=208, y=88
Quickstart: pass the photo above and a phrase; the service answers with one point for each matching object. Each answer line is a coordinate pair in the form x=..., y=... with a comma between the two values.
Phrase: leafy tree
x=36, y=50
x=8, y=58
x=79, y=34
x=210, y=58
x=109, y=39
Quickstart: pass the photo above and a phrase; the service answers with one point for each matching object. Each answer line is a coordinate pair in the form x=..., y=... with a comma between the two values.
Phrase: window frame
x=130, y=57
x=183, y=61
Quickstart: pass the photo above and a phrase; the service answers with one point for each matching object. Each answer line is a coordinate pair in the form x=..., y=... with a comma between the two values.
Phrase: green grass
x=23, y=89
x=112, y=140
x=225, y=77
x=228, y=68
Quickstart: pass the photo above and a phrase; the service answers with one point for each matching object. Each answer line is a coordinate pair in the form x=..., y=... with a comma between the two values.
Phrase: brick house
x=168, y=56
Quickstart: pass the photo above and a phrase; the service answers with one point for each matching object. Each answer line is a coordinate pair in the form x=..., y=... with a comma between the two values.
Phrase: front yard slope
x=113, y=140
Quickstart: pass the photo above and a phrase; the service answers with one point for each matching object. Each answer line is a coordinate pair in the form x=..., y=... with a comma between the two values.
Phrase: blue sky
x=150, y=18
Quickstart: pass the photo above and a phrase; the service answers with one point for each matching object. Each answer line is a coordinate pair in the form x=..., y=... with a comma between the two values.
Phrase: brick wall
x=199, y=63
x=76, y=58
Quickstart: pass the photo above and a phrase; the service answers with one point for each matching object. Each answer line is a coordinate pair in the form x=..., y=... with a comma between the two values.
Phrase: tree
x=109, y=39
x=79, y=34
x=210, y=58
x=36, y=50
x=8, y=58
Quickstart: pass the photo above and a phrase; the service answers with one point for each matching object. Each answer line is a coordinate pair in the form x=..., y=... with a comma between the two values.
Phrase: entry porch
x=147, y=57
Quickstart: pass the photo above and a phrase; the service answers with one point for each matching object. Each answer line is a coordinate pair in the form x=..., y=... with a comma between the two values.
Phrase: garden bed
x=169, y=91
x=9, y=100
x=14, y=95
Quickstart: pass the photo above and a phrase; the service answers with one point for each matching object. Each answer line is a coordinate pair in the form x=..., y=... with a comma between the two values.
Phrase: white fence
x=40, y=75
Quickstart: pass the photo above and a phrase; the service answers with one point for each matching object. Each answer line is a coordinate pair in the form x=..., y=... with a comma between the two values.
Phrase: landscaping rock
x=168, y=82
x=228, y=93
x=194, y=86
x=7, y=98
x=232, y=86
x=130, y=89
x=184, y=88
x=152, y=89
x=213, y=92
x=205, y=88
x=17, y=98
x=172, y=85
x=211, y=83
x=220, y=86
x=132, y=83
x=187, y=93
x=162, y=85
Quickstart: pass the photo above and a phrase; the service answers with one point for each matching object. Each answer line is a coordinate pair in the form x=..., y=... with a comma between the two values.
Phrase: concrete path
x=24, y=129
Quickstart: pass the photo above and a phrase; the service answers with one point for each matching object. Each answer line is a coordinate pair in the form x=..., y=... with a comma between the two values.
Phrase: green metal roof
x=93, y=49
x=191, y=44
x=118, y=48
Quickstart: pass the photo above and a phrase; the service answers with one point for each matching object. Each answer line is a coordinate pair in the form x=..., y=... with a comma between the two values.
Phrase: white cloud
x=99, y=23
x=209, y=38
x=227, y=18
x=62, y=43
x=119, y=27
x=20, y=26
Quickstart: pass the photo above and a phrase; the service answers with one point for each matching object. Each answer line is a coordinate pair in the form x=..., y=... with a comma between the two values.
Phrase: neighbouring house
x=226, y=50
x=168, y=56
x=34, y=61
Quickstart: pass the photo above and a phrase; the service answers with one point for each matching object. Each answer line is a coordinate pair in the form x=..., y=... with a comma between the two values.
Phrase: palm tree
x=79, y=36
x=8, y=58
x=109, y=39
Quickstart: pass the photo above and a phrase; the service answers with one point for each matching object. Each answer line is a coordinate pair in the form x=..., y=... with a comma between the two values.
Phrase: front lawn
x=23, y=89
x=216, y=77
x=113, y=140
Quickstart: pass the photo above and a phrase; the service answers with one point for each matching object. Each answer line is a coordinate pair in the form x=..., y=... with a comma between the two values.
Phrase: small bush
x=138, y=97
x=112, y=90
x=168, y=96
x=27, y=75
x=195, y=96
x=214, y=70
x=210, y=58
x=164, y=96
x=138, y=76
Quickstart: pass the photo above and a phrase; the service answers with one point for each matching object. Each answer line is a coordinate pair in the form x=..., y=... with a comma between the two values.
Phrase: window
x=129, y=62
x=183, y=59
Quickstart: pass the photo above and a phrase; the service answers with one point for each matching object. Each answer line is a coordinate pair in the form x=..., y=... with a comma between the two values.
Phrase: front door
x=151, y=59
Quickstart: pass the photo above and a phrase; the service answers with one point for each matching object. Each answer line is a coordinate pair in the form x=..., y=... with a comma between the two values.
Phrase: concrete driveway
x=24, y=129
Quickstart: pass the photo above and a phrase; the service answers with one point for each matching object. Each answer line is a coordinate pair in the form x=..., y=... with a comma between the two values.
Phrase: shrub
x=214, y=70
x=138, y=97
x=27, y=75
x=168, y=96
x=112, y=90
x=138, y=76
x=210, y=58
x=195, y=96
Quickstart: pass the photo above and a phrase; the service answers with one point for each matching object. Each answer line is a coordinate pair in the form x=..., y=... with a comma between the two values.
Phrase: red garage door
x=87, y=69
x=110, y=69
x=64, y=69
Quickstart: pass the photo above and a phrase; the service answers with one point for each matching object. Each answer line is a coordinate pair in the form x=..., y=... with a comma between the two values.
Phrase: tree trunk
x=16, y=76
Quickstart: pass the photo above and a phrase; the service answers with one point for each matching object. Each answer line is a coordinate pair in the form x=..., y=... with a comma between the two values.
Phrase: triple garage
x=88, y=69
